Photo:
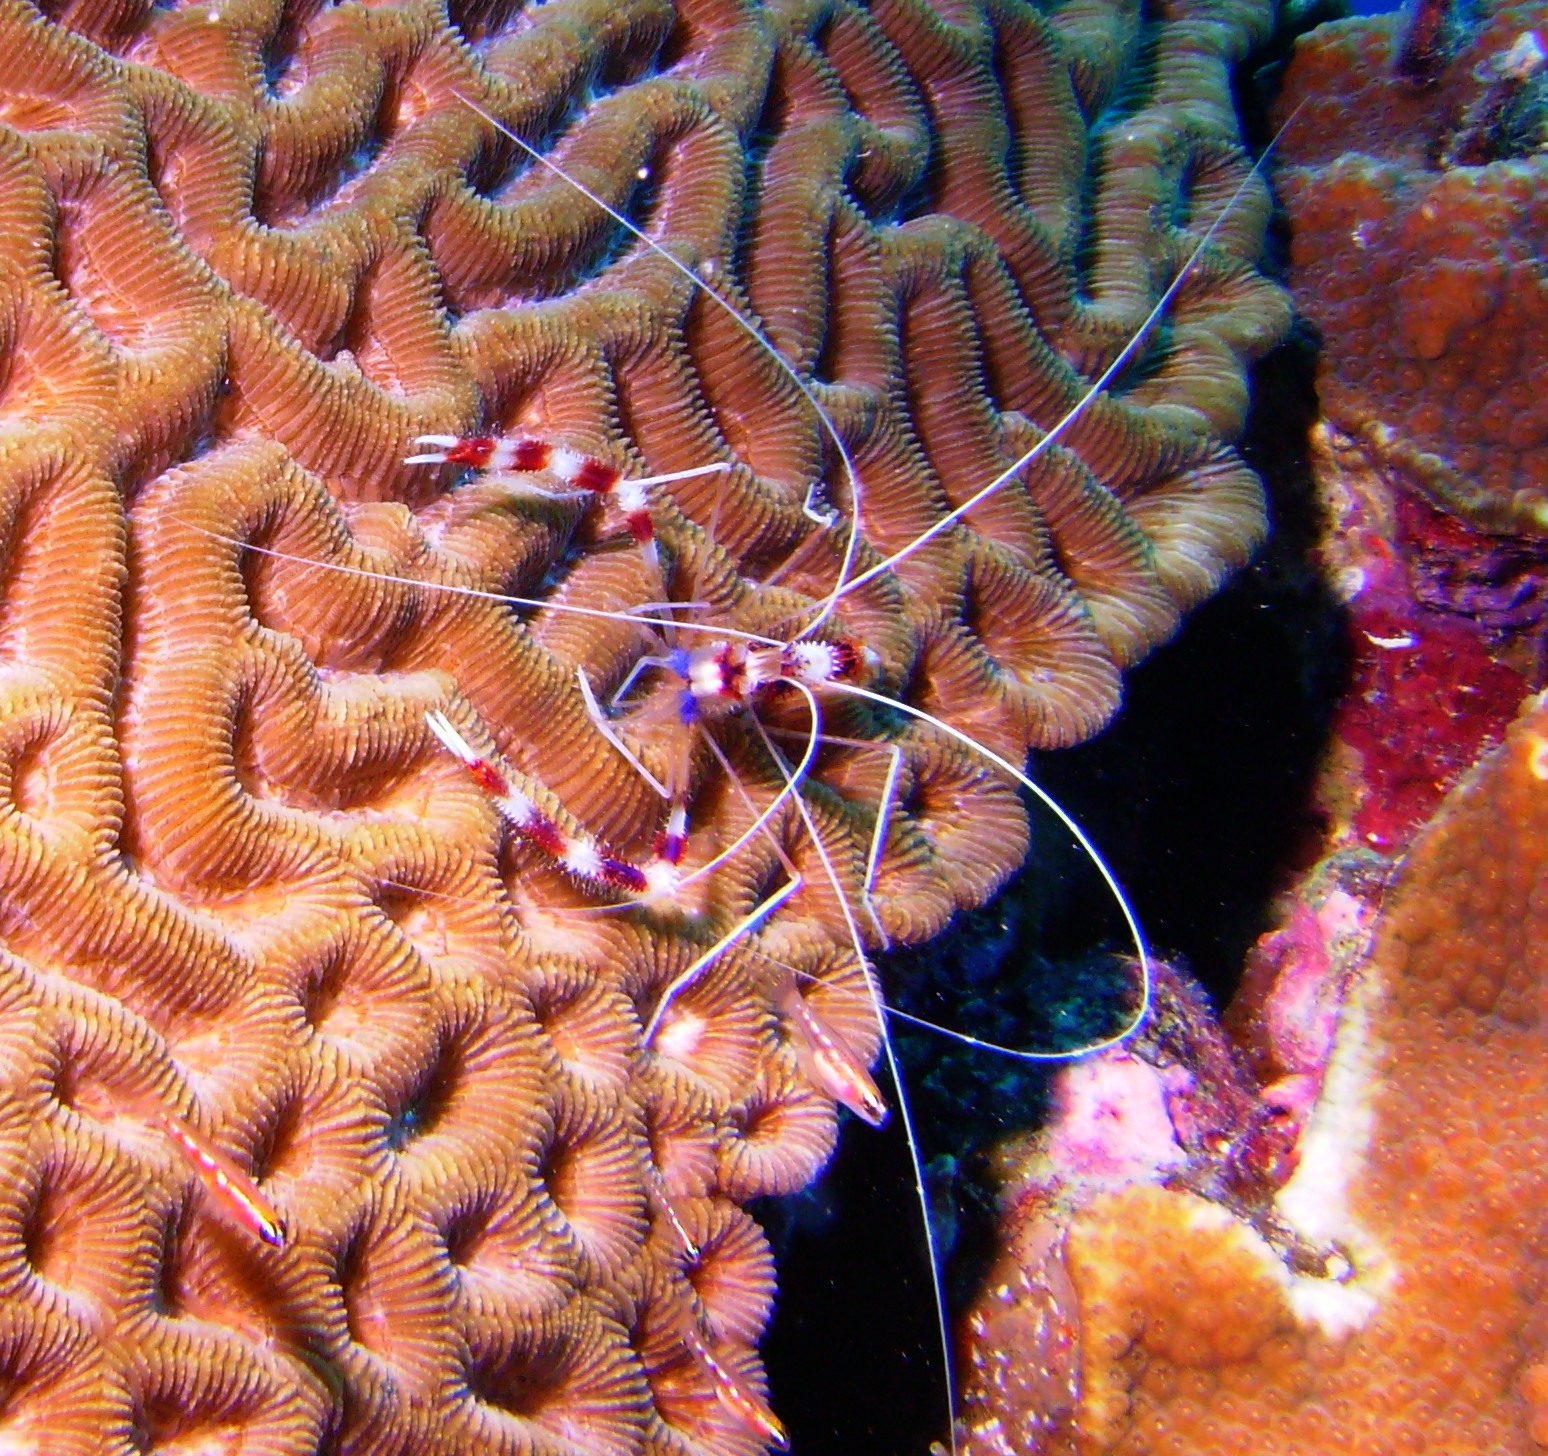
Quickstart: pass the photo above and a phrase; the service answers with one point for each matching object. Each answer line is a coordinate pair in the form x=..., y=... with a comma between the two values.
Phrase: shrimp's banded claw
x=518, y=455
x=577, y=853
x=578, y=473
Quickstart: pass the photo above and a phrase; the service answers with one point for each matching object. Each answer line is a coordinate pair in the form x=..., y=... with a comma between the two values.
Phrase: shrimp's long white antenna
x=905, y=1115
x=1121, y=362
x=1131, y=920
x=748, y=327
x=453, y=589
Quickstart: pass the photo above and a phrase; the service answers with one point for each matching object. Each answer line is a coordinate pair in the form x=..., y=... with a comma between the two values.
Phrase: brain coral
x=248, y=252
x=1419, y=226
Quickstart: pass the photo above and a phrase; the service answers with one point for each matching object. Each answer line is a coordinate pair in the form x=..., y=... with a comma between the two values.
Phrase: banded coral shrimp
x=846, y=886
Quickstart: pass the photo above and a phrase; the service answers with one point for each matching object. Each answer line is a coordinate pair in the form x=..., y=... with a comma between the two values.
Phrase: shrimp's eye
x=846, y=658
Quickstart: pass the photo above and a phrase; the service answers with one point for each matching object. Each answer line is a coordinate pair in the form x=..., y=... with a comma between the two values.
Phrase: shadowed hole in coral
x=53, y=1232
x=588, y=1026
x=591, y=1170
x=25, y=112
x=288, y=597
x=388, y=311
x=417, y=916
x=482, y=21
x=207, y=1272
x=173, y=170
x=609, y=243
x=582, y=1384
x=527, y=1387
x=468, y=1229
x=757, y=1117
x=516, y=1266
x=847, y=352
x=280, y=1141
x=383, y=1302
x=167, y=1297
x=284, y=69
x=276, y=209
x=32, y=781
x=28, y=568
x=429, y=1098
x=326, y=783
x=496, y=164
x=323, y=995
x=84, y=1228
x=85, y=262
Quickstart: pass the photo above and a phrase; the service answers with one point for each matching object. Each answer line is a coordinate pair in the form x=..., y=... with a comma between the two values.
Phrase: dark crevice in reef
x=1199, y=795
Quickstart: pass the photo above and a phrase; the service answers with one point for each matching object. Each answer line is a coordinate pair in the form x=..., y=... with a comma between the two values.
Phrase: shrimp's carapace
x=232, y=1194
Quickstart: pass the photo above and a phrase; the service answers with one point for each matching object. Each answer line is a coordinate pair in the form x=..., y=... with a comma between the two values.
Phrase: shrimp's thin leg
x=879, y=840
x=684, y=979
x=606, y=729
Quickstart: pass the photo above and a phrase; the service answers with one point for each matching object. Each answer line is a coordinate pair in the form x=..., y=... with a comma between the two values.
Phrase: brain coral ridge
x=250, y=251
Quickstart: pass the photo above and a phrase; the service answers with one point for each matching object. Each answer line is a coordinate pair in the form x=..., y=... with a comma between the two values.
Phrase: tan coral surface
x=1425, y=1167
x=249, y=251
x=1418, y=213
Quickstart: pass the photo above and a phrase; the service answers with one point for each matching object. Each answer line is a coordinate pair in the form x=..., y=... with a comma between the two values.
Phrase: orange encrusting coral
x=249, y=252
x=1418, y=228
x=1391, y=1298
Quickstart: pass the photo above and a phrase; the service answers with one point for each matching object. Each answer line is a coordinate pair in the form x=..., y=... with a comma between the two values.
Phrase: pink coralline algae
x=1441, y=646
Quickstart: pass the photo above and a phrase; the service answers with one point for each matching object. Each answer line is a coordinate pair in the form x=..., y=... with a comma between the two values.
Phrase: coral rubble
x=250, y=251
x=1418, y=233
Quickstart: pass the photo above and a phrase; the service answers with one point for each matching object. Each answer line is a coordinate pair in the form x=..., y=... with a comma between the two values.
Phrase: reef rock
x=1416, y=187
x=1324, y=1233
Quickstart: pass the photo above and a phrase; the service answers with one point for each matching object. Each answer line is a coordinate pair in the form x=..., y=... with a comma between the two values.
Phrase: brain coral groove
x=248, y=252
